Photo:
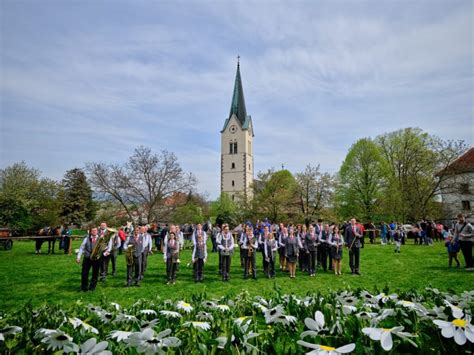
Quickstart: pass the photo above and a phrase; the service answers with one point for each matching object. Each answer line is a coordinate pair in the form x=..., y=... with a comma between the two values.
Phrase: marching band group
x=289, y=245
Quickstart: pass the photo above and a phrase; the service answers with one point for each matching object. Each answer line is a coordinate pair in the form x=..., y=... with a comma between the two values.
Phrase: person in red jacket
x=123, y=237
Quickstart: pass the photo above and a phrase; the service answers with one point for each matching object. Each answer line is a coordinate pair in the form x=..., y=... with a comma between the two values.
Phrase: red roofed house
x=458, y=195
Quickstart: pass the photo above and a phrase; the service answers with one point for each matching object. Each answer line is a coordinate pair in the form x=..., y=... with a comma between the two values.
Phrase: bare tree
x=143, y=183
x=314, y=191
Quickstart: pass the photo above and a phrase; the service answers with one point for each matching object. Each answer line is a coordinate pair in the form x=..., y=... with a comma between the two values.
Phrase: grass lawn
x=25, y=276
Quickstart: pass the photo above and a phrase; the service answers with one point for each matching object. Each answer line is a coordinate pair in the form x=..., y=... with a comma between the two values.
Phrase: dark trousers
x=466, y=248
x=171, y=267
x=112, y=257
x=87, y=264
x=103, y=265
x=271, y=267
x=51, y=243
x=354, y=256
x=312, y=262
x=329, y=255
x=134, y=271
x=66, y=242
x=38, y=244
x=455, y=257
x=198, y=267
x=250, y=263
x=225, y=266
x=220, y=264
x=144, y=263
x=265, y=262
x=214, y=244
x=324, y=256
x=243, y=255
x=303, y=261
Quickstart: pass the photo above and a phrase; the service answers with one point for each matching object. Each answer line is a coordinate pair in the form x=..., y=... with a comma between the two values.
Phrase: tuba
x=99, y=248
x=129, y=254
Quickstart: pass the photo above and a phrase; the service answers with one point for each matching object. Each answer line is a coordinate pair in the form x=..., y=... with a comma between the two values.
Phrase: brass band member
x=337, y=243
x=249, y=247
x=104, y=257
x=199, y=256
x=147, y=245
x=113, y=246
x=292, y=250
x=89, y=244
x=283, y=235
x=261, y=242
x=133, y=252
x=226, y=249
x=171, y=257
x=352, y=237
x=270, y=247
x=303, y=257
x=311, y=244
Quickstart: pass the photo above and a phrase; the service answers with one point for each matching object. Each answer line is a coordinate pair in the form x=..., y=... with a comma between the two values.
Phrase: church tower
x=237, y=147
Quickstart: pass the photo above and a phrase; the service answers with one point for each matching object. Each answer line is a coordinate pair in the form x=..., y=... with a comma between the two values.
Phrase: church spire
x=238, y=101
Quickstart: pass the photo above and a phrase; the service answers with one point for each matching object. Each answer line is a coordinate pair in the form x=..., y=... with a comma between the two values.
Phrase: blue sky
x=91, y=80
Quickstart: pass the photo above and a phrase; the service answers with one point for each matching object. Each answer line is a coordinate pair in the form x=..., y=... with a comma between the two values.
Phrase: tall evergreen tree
x=77, y=203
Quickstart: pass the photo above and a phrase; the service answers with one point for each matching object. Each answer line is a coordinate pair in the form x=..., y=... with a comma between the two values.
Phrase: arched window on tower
x=233, y=183
x=235, y=147
x=233, y=165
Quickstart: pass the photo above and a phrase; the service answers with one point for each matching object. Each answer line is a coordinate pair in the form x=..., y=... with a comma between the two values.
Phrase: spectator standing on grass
x=453, y=250
x=123, y=237
x=383, y=233
x=463, y=232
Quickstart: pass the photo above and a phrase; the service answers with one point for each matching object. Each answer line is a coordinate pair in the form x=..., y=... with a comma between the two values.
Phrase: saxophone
x=250, y=248
x=129, y=254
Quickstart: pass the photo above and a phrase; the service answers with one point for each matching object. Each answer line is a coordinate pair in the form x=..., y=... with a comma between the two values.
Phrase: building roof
x=237, y=106
x=463, y=164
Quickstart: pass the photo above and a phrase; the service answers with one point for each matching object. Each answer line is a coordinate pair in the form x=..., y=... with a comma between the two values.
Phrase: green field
x=26, y=276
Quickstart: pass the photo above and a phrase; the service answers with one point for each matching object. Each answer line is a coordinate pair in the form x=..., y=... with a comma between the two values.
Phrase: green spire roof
x=238, y=101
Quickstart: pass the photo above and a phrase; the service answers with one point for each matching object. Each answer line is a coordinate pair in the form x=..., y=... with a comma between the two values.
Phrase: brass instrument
x=250, y=248
x=99, y=248
x=129, y=254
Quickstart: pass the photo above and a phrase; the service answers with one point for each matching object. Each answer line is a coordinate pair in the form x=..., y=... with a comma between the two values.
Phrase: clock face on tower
x=233, y=128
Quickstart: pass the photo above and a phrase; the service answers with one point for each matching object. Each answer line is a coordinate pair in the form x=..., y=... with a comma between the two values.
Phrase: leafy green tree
x=224, y=210
x=27, y=201
x=275, y=196
x=77, y=204
x=415, y=160
x=189, y=213
x=361, y=180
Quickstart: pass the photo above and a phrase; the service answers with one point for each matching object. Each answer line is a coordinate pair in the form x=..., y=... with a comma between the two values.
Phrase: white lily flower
x=170, y=314
x=384, y=335
x=57, y=339
x=242, y=320
x=85, y=327
x=223, y=341
x=460, y=329
x=385, y=298
x=186, y=307
x=204, y=316
x=347, y=300
x=314, y=325
x=368, y=297
x=119, y=335
x=223, y=307
x=273, y=313
x=148, y=324
x=439, y=312
x=348, y=309
x=105, y=317
x=366, y=315
x=91, y=347
x=457, y=312
x=116, y=306
x=327, y=350
x=125, y=318
x=198, y=325
x=148, y=312
x=9, y=330
x=284, y=319
x=149, y=342
x=208, y=304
